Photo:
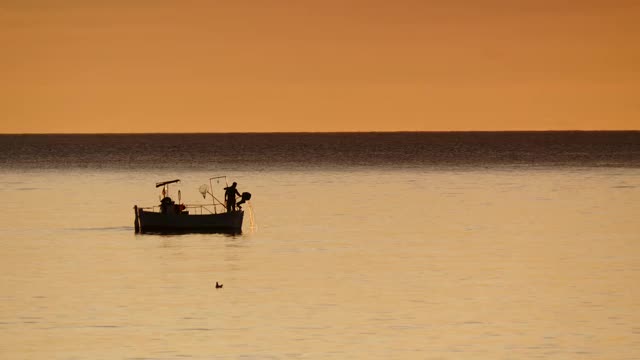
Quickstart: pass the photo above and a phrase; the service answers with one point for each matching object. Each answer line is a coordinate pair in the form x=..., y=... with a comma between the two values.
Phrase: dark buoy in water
x=218, y=286
x=136, y=222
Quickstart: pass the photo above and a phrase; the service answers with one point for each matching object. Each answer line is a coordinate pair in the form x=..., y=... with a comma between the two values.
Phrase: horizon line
x=320, y=132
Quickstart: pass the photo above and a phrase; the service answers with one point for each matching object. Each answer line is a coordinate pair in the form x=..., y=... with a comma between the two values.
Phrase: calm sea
x=364, y=246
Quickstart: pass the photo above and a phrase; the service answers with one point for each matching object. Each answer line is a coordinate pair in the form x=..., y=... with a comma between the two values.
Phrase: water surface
x=410, y=246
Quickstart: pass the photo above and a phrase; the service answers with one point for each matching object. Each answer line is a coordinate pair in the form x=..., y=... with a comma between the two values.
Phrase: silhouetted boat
x=169, y=217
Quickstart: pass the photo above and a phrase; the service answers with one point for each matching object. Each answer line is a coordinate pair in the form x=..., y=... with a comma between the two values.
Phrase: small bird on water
x=218, y=286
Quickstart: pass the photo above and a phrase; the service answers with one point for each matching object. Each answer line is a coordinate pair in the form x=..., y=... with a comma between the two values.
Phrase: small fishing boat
x=172, y=217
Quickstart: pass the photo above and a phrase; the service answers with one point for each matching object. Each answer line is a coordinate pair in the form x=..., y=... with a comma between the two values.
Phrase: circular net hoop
x=203, y=190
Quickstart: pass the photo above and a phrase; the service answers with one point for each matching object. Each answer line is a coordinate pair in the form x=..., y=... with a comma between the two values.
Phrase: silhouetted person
x=230, y=193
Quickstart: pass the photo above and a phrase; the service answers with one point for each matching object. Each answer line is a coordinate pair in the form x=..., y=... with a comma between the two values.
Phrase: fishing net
x=203, y=190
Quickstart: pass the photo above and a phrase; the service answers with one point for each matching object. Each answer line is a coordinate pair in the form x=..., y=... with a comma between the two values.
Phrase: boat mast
x=217, y=178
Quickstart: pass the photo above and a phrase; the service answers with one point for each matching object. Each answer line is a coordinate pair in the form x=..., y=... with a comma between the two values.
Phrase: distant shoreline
x=326, y=132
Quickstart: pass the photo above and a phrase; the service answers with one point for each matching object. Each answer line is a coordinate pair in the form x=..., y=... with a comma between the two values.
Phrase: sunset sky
x=82, y=66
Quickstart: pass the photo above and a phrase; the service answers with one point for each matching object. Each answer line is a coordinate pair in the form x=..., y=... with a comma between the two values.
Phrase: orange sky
x=227, y=66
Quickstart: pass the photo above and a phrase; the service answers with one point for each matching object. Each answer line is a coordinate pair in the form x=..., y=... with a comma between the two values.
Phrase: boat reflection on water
x=167, y=232
x=178, y=218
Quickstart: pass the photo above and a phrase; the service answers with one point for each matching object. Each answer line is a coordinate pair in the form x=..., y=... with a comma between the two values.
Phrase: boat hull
x=154, y=222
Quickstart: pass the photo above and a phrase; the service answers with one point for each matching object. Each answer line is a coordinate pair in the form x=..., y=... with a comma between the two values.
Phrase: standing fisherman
x=230, y=193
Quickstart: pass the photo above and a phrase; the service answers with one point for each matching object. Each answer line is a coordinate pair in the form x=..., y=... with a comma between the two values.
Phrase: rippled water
x=501, y=258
